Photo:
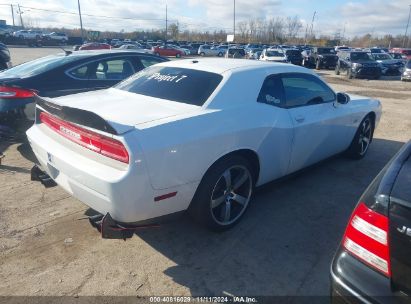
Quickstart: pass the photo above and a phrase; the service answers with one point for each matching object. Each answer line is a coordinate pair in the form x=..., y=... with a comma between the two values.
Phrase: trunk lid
x=120, y=109
x=400, y=223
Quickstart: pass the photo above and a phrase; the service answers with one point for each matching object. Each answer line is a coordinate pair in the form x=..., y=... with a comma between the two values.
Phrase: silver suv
x=209, y=50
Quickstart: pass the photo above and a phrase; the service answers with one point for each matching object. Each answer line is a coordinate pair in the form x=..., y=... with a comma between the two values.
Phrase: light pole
x=406, y=28
x=81, y=21
x=234, y=23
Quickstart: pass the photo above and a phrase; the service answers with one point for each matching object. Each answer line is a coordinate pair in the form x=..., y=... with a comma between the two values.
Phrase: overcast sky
x=358, y=16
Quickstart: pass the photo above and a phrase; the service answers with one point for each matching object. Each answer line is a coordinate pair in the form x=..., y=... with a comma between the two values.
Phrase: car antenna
x=66, y=52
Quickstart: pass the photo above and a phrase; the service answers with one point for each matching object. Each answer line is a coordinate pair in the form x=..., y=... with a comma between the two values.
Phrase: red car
x=95, y=46
x=166, y=50
x=403, y=51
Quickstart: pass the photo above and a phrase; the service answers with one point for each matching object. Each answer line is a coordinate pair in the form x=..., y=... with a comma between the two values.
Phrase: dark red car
x=406, y=53
x=95, y=46
x=166, y=50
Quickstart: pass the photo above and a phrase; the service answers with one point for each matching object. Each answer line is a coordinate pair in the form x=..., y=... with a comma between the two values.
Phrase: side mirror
x=343, y=98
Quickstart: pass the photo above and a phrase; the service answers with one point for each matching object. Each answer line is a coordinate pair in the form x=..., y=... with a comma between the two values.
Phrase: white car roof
x=221, y=65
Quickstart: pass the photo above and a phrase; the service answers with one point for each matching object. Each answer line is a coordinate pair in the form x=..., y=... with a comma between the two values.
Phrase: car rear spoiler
x=74, y=115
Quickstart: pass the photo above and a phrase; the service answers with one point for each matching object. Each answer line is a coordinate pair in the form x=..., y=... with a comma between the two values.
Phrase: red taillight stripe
x=101, y=144
x=14, y=92
x=165, y=196
x=366, y=237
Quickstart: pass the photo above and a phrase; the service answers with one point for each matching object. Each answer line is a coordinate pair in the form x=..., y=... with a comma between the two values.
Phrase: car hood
x=389, y=61
x=124, y=110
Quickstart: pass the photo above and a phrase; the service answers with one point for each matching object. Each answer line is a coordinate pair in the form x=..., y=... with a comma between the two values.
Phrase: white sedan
x=197, y=135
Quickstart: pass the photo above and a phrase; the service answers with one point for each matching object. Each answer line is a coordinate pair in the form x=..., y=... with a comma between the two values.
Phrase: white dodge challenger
x=197, y=135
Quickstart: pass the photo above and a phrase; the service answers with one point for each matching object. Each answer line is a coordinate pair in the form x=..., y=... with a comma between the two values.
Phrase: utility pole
x=406, y=29
x=12, y=14
x=312, y=24
x=21, y=18
x=343, y=35
x=234, y=22
x=81, y=21
x=166, y=24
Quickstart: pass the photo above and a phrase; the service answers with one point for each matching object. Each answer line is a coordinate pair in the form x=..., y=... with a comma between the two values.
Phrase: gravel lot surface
x=283, y=246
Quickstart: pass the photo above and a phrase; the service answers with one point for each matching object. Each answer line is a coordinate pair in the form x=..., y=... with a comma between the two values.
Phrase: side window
x=115, y=69
x=303, y=89
x=148, y=61
x=80, y=72
x=272, y=92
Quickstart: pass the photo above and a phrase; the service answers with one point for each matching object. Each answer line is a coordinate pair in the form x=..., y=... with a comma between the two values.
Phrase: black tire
x=337, y=70
x=202, y=54
x=3, y=66
x=178, y=55
x=157, y=53
x=349, y=73
x=318, y=65
x=201, y=207
x=220, y=54
x=356, y=149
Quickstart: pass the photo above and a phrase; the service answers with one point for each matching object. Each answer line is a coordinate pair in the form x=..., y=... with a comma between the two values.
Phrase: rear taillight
x=96, y=142
x=14, y=92
x=366, y=237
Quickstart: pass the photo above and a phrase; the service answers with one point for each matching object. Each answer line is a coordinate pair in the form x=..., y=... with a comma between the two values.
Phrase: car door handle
x=299, y=118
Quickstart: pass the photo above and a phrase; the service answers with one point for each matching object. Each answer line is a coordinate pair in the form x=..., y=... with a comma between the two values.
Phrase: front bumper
x=367, y=72
x=354, y=282
x=406, y=76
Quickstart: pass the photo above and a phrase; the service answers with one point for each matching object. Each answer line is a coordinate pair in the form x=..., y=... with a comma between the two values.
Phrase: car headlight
x=357, y=65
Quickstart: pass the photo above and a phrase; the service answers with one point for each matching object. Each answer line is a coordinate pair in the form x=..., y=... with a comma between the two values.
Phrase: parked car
x=166, y=50
x=61, y=37
x=5, y=32
x=235, y=52
x=389, y=65
x=322, y=57
x=406, y=53
x=5, y=60
x=357, y=64
x=136, y=47
x=406, y=75
x=62, y=74
x=208, y=50
x=372, y=263
x=28, y=34
x=162, y=142
x=399, y=57
x=191, y=50
x=273, y=55
x=94, y=46
x=294, y=56
x=252, y=53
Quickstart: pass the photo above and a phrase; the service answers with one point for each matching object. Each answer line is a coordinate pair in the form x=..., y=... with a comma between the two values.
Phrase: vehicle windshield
x=396, y=55
x=274, y=53
x=325, y=51
x=172, y=83
x=382, y=56
x=361, y=56
x=37, y=66
x=293, y=52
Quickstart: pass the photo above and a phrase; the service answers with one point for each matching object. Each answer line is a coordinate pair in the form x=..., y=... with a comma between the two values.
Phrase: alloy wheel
x=364, y=138
x=231, y=195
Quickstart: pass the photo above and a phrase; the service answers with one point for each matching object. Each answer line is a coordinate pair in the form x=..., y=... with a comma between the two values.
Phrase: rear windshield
x=293, y=52
x=37, y=66
x=274, y=53
x=171, y=83
x=361, y=56
x=326, y=51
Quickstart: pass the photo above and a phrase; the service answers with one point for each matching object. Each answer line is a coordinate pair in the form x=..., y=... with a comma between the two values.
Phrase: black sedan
x=4, y=57
x=65, y=74
x=372, y=264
